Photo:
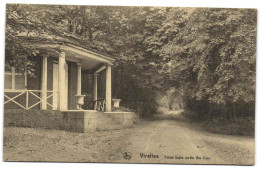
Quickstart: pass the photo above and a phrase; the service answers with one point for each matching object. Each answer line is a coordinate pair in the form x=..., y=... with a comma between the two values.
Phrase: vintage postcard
x=121, y=84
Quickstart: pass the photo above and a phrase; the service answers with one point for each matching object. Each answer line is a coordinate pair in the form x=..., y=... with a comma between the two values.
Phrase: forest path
x=165, y=139
x=169, y=139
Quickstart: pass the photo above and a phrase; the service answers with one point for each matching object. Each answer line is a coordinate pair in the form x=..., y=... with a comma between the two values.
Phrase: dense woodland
x=208, y=55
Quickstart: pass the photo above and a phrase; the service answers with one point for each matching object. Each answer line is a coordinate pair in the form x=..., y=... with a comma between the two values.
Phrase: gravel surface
x=161, y=141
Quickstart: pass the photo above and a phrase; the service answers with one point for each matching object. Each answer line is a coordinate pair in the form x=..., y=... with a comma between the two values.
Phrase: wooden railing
x=98, y=105
x=25, y=95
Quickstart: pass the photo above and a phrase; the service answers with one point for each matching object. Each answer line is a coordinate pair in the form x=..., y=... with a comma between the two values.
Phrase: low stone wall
x=72, y=120
x=47, y=119
x=124, y=118
x=89, y=121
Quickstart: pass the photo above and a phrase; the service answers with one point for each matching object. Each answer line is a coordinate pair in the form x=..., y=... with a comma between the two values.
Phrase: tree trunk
x=226, y=113
x=234, y=111
x=210, y=111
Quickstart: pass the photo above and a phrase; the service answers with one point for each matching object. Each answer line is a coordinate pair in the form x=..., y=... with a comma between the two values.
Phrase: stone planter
x=80, y=101
x=116, y=102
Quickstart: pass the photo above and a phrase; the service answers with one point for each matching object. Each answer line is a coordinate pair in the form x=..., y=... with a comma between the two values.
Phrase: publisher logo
x=127, y=155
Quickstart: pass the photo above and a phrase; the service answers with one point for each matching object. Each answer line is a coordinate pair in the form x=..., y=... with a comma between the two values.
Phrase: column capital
x=79, y=64
x=62, y=54
x=109, y=64
x=95, y=74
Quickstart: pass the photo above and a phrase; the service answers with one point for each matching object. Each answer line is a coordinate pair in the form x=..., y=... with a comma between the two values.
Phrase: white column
x=79, y=79
x=62, y=82
x=13, y=78
x=108, y=88
x=44, y=83
x=25, y=72
x=95, y=90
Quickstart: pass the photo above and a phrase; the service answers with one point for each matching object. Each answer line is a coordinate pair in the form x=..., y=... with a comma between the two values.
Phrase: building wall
x=34, y=83
x=50, y=79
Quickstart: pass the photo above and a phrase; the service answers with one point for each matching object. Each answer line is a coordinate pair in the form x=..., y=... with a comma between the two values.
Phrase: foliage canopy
x=208, y=54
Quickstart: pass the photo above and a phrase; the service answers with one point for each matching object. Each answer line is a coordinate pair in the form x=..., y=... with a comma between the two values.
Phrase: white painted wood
x=86, y=53
x=66, y=92
x=55, y=101
x=108, y=88
x=25, y=79
x=26, y=92
x=27, y=100
x=13, y=78
x=95, y=87
x=44, y=83
x=79, y=80
x=63, y=83
x=101, y=69
x=25, y=73
x=56, y=98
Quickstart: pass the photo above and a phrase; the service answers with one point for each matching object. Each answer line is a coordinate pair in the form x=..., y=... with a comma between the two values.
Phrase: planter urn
x=116, y=102
x=80, y=101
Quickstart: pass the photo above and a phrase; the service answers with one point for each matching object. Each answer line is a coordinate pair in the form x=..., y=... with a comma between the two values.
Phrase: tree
x=207, y=54
x=212, y=55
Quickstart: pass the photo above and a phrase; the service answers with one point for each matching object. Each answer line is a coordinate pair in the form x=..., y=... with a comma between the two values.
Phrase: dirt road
x=158, y=141
x=180, y=142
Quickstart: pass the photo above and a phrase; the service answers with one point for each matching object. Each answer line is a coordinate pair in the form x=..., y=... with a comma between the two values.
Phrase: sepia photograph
x=129, y=84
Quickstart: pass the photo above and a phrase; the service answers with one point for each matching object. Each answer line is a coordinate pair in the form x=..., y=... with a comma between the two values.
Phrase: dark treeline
x=207, y=54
